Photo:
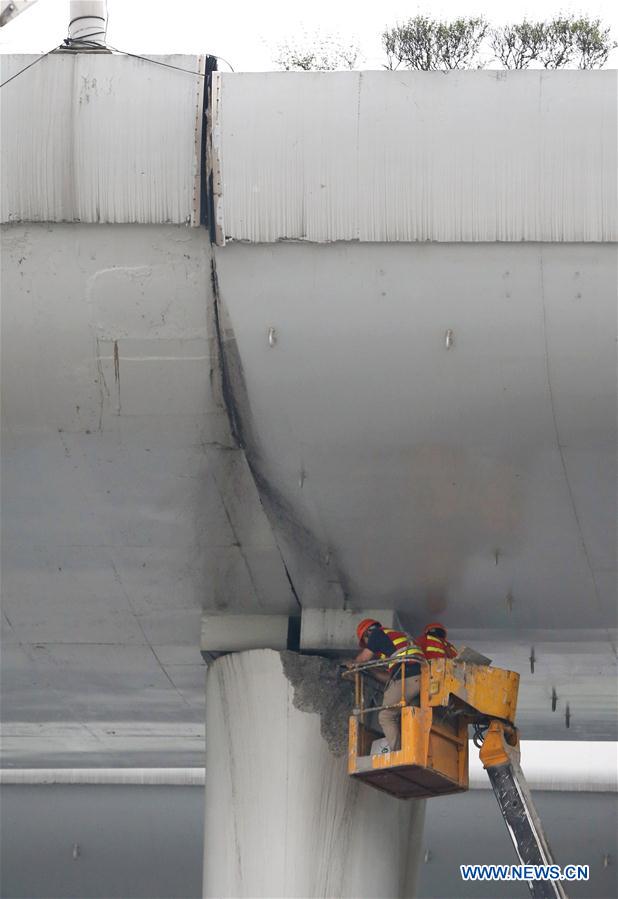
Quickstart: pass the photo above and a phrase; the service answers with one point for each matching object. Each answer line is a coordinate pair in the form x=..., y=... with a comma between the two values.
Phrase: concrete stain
x=116, y=362
x=102, y=384
x=288, y=528
x=117, y=374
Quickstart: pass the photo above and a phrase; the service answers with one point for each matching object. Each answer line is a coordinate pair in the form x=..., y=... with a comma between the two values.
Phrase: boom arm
x=500, y=757
x=433, y=758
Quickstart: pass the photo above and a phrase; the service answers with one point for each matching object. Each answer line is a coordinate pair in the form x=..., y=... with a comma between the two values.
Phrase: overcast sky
x=247, y=33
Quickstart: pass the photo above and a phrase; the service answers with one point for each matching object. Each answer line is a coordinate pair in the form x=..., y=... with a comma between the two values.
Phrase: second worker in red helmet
x=434, y=644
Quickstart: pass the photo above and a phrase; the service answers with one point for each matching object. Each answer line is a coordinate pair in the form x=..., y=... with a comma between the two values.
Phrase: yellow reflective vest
x=436, y=648
x=405, y=650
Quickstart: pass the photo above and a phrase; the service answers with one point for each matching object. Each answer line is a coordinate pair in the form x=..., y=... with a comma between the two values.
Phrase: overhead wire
x=29, y=66
x=157, y=62
x=169, y=65
x=95, y=45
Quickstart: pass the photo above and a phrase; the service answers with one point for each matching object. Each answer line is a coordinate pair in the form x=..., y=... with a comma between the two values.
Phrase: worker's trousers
x=390, y=718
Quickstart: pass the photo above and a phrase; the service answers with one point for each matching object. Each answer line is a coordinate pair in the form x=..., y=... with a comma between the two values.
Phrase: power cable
x=480, y=730
x=94, y=45
x=167, y=64
x=29, y=66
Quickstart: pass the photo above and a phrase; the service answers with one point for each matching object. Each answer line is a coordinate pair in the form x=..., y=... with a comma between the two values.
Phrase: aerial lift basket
x=433, y=756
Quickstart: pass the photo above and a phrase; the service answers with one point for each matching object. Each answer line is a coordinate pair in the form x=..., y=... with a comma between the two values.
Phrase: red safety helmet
x=435, y=626
x=363, y=627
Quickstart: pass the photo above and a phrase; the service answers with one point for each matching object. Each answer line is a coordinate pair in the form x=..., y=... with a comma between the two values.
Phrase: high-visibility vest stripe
x=436, y=646
x=405, y=650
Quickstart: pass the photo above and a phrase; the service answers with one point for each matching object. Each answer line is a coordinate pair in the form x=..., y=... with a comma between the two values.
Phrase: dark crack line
x=236, y=424
x=290, y=581
x=225, y=381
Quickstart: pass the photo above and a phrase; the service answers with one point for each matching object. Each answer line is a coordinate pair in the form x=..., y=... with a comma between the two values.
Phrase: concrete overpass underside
x=472, y=483
x=332, y=398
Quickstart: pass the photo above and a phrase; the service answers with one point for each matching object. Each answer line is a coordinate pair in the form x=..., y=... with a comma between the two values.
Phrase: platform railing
x=359, y=672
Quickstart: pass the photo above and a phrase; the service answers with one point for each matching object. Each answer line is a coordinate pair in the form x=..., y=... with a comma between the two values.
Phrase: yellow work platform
x=433, y=758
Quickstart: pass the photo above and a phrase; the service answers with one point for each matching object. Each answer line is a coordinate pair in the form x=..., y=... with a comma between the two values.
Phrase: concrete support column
x=283, y=819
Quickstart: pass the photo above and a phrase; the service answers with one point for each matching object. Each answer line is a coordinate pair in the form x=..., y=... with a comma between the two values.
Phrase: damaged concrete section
x=319, y=688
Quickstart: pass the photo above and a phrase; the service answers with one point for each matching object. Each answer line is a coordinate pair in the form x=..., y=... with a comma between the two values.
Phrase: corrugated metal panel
x=410, y=156
x=101, y=138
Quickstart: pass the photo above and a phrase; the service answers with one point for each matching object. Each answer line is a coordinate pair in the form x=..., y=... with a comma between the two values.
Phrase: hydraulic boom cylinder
x=501, y=761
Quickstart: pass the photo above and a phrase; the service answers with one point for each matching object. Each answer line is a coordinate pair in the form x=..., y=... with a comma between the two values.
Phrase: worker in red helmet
x=378, y=642
x=434, y=644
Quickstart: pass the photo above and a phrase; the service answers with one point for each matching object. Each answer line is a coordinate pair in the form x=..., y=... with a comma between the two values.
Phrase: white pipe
x=88, y=20
x=178, y=777
x=564, y=766
x=560, y=765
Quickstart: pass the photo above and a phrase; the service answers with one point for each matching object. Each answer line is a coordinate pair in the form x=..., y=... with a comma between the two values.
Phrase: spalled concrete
x=319, y=687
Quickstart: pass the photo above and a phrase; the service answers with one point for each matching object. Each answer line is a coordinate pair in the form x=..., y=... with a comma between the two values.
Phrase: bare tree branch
x=516, y=46
x=317, y=52
x=458, y=42
x=559, y=45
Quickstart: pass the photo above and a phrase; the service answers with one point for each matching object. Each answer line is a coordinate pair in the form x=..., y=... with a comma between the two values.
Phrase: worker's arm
x=365, y=655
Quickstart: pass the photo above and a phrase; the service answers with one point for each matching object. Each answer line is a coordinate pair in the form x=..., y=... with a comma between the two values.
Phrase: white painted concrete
x=418, y=156
x=127, y=511
x=126, y=508
x=90, y=137
x=334, y=630
x=283, y=819
x=476, y=483
x=235, y=633
x=419, y=463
